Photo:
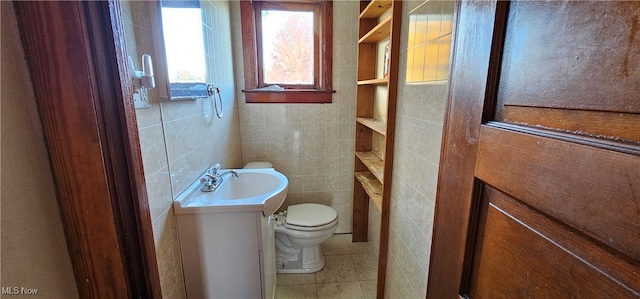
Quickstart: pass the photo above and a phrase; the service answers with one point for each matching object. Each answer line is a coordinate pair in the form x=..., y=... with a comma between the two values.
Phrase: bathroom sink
x=253, y=190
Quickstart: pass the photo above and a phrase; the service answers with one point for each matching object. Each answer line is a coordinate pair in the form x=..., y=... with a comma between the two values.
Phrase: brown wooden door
x=539, y=190
x=78, y=64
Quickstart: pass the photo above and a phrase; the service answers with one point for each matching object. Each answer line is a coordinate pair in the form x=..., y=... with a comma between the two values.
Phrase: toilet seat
x=310, y=217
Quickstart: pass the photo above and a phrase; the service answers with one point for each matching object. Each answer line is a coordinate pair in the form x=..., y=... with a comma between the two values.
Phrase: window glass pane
x=184, y=44
x=287, y=47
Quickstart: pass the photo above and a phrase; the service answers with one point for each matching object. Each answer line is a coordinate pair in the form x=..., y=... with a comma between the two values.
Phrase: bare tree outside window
x=288, y=49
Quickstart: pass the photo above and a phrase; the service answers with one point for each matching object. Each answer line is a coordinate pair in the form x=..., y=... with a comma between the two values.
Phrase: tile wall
x=424, y=64
x=312, y=144
x=180, y=139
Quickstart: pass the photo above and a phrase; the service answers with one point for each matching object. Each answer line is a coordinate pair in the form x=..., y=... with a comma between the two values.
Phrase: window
x=287, y=44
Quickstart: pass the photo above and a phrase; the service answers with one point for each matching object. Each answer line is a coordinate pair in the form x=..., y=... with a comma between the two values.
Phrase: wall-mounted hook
x=142, y=80
x=146, y=75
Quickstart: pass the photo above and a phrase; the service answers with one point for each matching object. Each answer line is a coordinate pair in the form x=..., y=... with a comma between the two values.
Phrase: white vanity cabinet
x=227, y=254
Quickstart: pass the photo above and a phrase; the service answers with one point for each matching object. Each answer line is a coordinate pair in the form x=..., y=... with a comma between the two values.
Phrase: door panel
x=587, y=188
x=554, y=208
x=572, y=54
x=572, y=66
x=520, y=250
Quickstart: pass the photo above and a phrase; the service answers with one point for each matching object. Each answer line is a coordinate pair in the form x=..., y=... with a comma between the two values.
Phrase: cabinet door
x=220, y=254
x=268, y=257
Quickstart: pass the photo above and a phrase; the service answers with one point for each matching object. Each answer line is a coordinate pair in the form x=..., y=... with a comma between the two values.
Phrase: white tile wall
x=180, y=139
x=421, y=104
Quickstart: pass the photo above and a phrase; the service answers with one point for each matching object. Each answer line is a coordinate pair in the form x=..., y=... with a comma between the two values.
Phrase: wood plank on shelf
x=373, y=163
x=375, y=9
x=380, y=32
x=372, y=187
x=373, y=124
x=377, y=81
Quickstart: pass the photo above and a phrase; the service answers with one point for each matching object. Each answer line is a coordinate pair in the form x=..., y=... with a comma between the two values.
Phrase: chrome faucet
x=211, y=180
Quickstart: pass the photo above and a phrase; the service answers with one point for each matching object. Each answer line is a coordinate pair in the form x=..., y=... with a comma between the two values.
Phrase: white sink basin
x=254, y=190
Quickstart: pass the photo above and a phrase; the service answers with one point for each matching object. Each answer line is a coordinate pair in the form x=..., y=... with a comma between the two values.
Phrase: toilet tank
x=254, y=165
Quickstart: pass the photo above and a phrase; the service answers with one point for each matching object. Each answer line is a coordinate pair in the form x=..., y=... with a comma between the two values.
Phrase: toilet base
x=296, y=267
x=297, y=260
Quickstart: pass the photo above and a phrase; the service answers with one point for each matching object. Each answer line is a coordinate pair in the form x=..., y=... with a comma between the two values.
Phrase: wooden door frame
x=479, y=31
x=78, y=64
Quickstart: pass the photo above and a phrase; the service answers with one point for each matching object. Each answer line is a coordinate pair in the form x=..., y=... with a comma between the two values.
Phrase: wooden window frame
x=321, y=91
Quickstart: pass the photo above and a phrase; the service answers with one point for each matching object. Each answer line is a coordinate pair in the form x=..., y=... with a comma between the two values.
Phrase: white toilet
x=299, y=231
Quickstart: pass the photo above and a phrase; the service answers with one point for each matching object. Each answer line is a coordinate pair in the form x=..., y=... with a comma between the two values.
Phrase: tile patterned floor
x=350, y=272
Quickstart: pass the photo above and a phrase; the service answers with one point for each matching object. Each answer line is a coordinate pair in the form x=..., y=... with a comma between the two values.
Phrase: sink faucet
x=211, y=180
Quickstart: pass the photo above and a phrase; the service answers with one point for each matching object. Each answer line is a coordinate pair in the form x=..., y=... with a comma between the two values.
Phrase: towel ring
x=212, y=92
x=215, y=104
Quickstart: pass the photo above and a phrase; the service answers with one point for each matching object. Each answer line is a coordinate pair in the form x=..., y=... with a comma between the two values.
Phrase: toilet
x=299, y=231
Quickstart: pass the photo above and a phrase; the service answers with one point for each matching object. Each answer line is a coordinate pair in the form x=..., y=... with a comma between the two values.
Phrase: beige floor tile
x=336, y=245
x=294, y=279
x=302, y=291
x=347, y=290
x=350, y=272
x=359, y=247
x=369, y=288
x=366, y=266
x=338, y=268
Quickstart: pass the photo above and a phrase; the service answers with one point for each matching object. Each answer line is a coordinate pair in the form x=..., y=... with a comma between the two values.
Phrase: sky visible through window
x=288, y=47
x=184, y=44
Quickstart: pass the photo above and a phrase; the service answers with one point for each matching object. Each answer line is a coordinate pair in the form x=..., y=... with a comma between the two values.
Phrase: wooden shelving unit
x=371, y=186
x=376, y=96
x=375, y=9
x=378, y=33
x=374, y=164
x=374, y=124
x=381, y=81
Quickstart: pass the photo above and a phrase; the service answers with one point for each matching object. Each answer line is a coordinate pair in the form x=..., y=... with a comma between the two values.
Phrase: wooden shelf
x=375, y=9
x=373, y=163
x=378, y=33
x=372, y=187
x=381, y=81
x=374, y=124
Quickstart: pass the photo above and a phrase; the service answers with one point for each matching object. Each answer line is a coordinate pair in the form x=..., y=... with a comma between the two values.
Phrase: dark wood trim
x=360, y=213
x=249, y=46
x=582, y=122
x=318, y=9
x=326, y=49
x=495, y=59
x=136, y=214
x=289, y=96
x=75, y=52
x=612, y=145
x=474, y=31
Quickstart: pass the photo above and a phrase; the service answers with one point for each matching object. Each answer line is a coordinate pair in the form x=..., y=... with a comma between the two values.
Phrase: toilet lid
x=310, y=215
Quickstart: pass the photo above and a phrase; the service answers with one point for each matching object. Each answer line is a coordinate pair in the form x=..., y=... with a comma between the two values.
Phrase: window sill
x=300, y=96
